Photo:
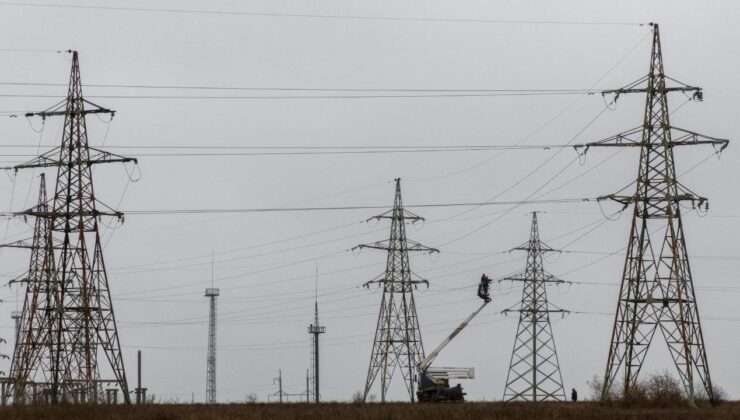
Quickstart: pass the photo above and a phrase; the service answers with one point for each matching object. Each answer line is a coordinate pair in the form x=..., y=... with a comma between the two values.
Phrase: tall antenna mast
x=211, y=294
x=316, y=330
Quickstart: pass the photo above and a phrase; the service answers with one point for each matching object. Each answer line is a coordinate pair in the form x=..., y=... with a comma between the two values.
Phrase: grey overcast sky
x=159, y=265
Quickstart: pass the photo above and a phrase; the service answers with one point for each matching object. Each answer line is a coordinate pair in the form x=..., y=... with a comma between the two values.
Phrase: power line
x=549, y=121
x=533, y=171
x=310, y=151
x=157, y=266
x=298, y=97
x=355, y=147
x=303, y=89
x=314, y=16
x=365, y=152
x=344, y=342
x=707, y=257
x=236, y=250
x=342, y=208
x=264, y=254
x=149, y=292
x=29, y=50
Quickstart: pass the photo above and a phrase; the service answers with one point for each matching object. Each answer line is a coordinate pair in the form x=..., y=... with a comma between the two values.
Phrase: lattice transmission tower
x=32, y=326
x=657, y=291
x=534, y=370
x=72, y=321
x=398, y=343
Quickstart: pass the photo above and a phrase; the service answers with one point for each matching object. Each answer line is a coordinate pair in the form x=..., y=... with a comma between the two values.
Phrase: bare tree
x=357, y=397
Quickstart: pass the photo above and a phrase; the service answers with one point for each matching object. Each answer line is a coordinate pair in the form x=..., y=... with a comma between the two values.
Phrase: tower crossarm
x=383, y=281
x=60, y=111
x=526, y=277
x=23, y=243
x=22, y=279
x=630, y=199
x=386, y=245
x=535, y=311
x=403, y=215
x=698, y=93
x=634, y=138
x=52, y=159
x=691, y=138
x=681, y=194
x=62, y=215
x=637, y=87
x=28, y=244
x=541, y=247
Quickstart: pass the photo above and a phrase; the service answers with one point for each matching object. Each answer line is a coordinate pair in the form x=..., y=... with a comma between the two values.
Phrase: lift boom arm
x=424, y=364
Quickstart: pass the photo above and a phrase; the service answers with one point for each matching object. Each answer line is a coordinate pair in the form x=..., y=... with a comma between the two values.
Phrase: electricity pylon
x=397, y=343
x=534, y=371
x=657, y=291
x=77, y=308
x=33, y=325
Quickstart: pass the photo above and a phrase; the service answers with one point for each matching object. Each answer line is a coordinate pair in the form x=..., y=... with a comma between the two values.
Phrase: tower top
x=316, y=328
x=212, y=292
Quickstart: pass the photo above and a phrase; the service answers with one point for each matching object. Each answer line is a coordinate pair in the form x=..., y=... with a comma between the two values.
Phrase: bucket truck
x=434, y=383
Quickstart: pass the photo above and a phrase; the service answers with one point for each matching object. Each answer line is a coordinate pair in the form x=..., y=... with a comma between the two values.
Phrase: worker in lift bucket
x=483, y=288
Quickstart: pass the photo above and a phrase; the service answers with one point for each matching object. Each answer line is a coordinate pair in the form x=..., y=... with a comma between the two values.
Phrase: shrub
x=700, y=394
x=663, y=388
x=596, y=385
x=357, y=397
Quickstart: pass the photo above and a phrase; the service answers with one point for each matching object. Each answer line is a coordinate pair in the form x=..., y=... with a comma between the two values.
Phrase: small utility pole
x=279, y=380
x=16, y=316
x=140, y=392
x=138, y=379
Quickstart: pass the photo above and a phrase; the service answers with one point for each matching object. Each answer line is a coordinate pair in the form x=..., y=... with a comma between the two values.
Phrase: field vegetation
x=391, y=411
x=658, y=396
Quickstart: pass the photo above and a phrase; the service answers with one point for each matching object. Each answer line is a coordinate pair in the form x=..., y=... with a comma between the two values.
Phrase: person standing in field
x=573, y=395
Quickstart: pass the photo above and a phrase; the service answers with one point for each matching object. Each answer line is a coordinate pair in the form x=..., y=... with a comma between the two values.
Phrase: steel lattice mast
x=315, y=330
x=77, y=309
x=657, y=291
x=398, y=343
x=34, y=325
x=534, y=370
x=211, y=294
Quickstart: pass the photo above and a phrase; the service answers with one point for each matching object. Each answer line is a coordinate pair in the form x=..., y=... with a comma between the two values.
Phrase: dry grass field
x=395, y=411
